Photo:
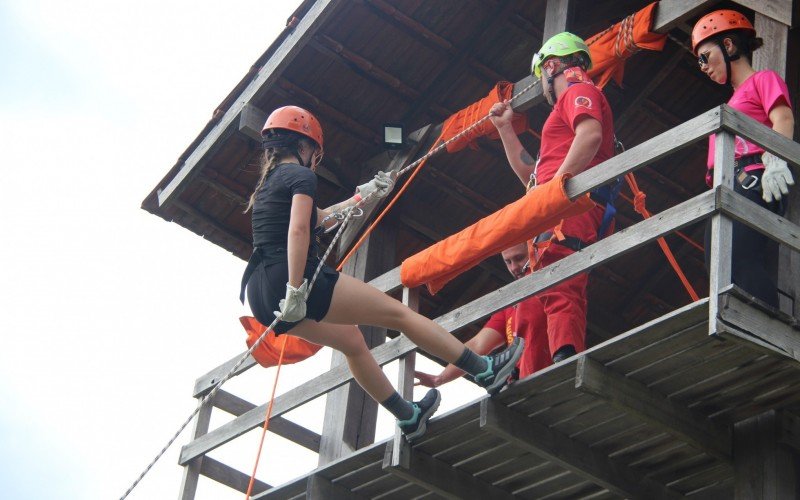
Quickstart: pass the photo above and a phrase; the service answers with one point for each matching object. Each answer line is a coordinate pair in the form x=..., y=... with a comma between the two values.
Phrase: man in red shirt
x=525, y=319
x=577, y=135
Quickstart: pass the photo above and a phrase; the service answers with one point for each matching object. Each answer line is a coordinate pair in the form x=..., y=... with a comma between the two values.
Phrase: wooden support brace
x=284, y=428
x=444, y=480
x=635, y=398
x=789, y=431
x=229, y=476
x=572, y=455
x=321, y=488
x=192, y=470
x=419, y=139
x=721, y=230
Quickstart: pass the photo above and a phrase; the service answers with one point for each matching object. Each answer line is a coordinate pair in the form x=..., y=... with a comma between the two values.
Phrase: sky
x=108, y=314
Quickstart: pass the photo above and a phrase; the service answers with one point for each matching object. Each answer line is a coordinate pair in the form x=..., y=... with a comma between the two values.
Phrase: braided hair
x=278, y=143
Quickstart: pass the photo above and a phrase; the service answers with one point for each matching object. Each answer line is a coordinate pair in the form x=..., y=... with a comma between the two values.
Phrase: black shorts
x=267, y=286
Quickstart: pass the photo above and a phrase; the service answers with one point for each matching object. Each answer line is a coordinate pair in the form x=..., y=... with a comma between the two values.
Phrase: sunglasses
x=702, y=59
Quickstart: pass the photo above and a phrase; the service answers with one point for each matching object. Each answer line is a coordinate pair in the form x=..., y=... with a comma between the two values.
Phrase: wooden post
x=191, y=471
x=556, y=17
x=405, y=379
x=721, y=229
x=764, y=468
x=350, y=413
x=773, y=55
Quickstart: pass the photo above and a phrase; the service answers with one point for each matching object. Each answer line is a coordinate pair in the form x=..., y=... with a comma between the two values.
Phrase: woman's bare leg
x=355, y=302
x=349, y=340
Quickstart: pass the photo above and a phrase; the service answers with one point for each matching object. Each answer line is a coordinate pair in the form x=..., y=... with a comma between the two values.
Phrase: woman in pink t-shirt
x=724, y=41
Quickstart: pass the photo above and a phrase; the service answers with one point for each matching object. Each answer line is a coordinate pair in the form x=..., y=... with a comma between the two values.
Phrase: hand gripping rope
x=344, y=217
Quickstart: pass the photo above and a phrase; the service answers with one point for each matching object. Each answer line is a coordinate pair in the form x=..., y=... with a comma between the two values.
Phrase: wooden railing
x=721, y=204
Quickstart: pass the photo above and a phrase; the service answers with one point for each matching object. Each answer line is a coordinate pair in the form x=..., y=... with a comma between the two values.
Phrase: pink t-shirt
x=755, y=97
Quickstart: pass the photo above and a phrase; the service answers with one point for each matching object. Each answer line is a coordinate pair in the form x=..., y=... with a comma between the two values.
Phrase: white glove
x=293, y=307
x=776, y=179
x=380, y=186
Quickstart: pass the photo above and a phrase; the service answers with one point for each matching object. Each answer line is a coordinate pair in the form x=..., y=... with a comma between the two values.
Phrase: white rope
x=344, y=216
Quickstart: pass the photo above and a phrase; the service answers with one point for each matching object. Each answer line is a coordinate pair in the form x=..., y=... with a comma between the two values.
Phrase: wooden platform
x=648, y=414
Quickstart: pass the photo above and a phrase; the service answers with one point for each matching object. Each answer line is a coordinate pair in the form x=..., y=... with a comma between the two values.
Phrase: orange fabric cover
x=538, y=211
x=474, y=112
x=610, y=48
x=269, y=350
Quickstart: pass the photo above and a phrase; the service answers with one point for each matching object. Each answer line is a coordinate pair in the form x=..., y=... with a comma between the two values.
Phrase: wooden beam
x=789, y=430
x=610, y=473
x=213, y=224
x=321, y=488
x=280, y=426
x=439, y=477
x=234, y=196
x=458, y=190
x=774, y=56
x=758, y=326
x=719, y=248
x=670, y=13
x=613, y=246
x=652, y=84
x=191, y=471
x=331, y=112
x=759, y=218
x=648, y=152
x=230, y=477
x=350, y=413
x=762, y=468
x=556, y=17
x=278, y=61
x=778, y=10
x=419, y=143
x=635, y=398
x=439, y=85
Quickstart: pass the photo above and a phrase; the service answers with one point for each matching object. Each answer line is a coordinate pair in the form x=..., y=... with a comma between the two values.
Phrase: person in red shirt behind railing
x=525, y=319
x=577, y=135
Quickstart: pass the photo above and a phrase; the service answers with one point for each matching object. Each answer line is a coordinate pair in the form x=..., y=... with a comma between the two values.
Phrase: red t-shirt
x=528, y=321
x=579, y=101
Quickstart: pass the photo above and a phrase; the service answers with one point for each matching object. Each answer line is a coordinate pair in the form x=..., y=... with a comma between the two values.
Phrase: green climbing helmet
x=562, y=44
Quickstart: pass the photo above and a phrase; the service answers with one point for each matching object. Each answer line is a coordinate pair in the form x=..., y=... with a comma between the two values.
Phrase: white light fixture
x=393, y=136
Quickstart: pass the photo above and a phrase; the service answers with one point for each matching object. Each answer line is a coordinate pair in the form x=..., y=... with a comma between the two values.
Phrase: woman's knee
x=352, y=342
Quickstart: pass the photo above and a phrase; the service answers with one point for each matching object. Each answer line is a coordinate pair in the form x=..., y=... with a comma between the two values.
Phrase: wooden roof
x=359, y=64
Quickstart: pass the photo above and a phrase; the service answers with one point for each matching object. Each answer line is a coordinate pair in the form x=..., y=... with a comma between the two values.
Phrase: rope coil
x=342, y=218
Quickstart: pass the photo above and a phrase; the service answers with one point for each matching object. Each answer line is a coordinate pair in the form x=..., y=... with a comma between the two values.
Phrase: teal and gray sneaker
x=424, y=409
x=501, y=366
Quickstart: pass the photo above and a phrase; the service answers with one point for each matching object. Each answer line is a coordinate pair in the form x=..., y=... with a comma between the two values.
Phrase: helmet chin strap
x=728, y=58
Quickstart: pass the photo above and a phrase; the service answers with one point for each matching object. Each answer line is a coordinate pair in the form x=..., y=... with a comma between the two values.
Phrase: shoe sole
x=423, y=419
x=501, y=379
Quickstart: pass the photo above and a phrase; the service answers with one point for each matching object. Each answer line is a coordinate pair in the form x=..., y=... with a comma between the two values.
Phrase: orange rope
x=385, y=210
x=678, y=233
x=266, y=421
x=639, y=205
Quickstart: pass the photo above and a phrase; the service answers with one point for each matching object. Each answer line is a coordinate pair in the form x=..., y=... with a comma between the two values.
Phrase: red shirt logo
x=583, y=101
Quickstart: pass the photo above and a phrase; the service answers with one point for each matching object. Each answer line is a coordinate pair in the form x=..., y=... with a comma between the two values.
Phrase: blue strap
x=606, y=195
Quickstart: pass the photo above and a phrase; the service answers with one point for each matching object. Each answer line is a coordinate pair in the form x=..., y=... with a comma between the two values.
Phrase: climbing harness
x=342, y=219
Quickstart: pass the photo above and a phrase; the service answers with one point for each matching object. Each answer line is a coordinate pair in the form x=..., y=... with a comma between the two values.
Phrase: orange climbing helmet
x=295, y=119
x=718, y=22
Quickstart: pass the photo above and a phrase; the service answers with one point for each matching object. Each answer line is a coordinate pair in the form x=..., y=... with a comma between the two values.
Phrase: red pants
x=531, y=324
x=564, y=304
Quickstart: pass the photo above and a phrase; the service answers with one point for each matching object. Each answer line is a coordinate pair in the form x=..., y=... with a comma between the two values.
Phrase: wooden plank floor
x=719, y=378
